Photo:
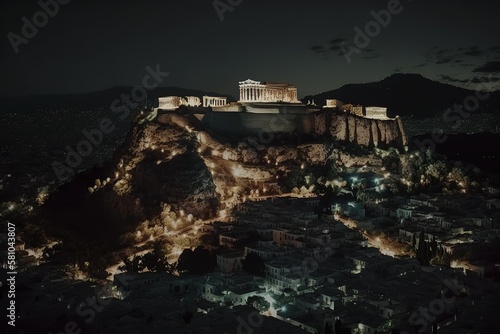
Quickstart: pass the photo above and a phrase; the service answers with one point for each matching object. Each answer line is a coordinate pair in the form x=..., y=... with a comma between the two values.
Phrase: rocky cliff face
x=157, y=165
x=337, y=124
x=172, y=161
x=360, y=130
x=161, y=164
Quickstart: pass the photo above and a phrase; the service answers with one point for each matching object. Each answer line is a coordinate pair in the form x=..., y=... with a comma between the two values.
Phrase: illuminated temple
x=255, y=91
x=262, y=107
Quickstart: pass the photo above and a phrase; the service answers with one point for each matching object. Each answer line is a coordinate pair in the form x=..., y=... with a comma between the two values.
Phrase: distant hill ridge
x=407, y=94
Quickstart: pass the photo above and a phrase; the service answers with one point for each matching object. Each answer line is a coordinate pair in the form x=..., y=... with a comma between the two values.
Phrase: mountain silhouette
x=407, y=94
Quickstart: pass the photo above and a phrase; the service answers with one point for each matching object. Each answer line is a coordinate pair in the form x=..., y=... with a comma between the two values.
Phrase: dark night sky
x=93, y=45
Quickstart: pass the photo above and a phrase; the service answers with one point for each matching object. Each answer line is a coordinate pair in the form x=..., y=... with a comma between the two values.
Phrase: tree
x=328, y=328
x=187, y=316
x=391, y=161
x=156, y=260
x=331, y=170
x=446, y=258
x=254, y=265
x=433, y=247
x=135, y=265
x=437, y=171
x=423, y=250
x=97, y=266
x=259, y=303
x=196, y=262
x=210, y=239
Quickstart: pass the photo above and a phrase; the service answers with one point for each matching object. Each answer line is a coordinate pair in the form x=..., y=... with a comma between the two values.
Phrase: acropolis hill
x=265, y=108
x=177, y=157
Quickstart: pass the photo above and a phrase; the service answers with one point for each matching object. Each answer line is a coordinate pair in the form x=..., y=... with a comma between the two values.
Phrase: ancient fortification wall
x=335, y=124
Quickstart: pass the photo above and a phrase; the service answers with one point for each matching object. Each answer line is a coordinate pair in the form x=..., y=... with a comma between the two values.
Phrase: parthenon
x=255, y=91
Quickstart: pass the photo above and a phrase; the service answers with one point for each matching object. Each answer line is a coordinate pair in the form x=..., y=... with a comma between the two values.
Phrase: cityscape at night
x=232, y=166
